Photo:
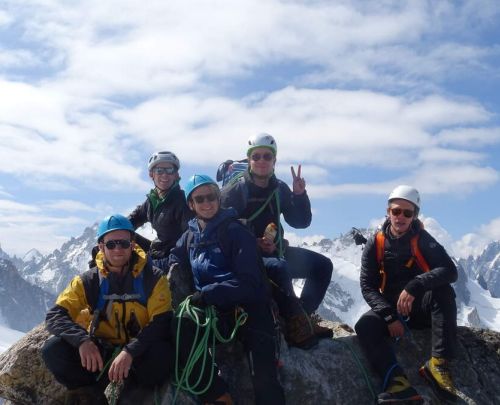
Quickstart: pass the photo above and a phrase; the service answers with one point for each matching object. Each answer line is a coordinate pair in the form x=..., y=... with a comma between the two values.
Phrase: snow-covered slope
x=8, y=337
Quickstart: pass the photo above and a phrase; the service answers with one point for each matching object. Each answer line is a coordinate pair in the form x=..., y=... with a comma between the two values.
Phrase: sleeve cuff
x=415, y=288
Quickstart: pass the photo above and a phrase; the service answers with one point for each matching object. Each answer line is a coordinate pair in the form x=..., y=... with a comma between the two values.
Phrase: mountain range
x=30, y=284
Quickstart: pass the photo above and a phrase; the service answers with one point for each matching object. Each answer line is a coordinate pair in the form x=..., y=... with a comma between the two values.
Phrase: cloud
x=475, y=242
x=70, y=206
x=469, y=137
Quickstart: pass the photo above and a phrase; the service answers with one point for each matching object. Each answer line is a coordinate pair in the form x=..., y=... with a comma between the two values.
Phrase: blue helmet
x=114, y=223
x=196, y=181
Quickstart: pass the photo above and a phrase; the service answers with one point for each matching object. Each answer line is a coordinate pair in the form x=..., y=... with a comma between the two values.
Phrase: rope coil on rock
x=206, y=336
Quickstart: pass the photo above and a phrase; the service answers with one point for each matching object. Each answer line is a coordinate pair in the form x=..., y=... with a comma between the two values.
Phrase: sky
x=364, y=95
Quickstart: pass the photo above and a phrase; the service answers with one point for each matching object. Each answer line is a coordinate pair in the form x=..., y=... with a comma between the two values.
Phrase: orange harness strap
x=415, y=251
x=379, y=245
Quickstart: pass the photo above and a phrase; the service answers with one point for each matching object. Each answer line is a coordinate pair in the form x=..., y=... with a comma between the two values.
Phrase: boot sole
x=417, y=399
x=440, y=393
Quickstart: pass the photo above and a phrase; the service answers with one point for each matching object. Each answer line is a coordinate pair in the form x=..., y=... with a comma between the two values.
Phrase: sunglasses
x=164, y=170
x=113, y=244
x=398, y=211
x=200, y=199
x=266, y=156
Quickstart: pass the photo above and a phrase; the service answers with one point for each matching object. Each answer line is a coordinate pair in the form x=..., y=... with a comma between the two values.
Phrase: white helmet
x=166, y=156
x=407, y=193
x=262, y=141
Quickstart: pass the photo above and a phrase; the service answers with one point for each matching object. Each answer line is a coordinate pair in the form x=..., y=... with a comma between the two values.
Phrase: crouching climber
x=128, y=304
x=405, y=279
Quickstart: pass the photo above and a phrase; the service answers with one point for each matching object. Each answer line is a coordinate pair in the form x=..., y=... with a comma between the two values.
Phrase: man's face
x=164, y=175
x=401, y=214
x=112, y=245
x=262, y=162
x=204, y=201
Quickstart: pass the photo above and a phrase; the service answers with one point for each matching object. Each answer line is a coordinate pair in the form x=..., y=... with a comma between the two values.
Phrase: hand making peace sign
x=299, y=184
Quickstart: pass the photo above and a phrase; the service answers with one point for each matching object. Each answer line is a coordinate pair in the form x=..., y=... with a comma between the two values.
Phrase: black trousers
x=258, y=338
x=63, y=360
x=435, y=309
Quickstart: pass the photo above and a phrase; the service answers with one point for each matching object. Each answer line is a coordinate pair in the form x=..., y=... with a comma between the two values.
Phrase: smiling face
x=262, y=162
x=164, y=175
x=119, y=256
x=204, y=201
x=401, y=214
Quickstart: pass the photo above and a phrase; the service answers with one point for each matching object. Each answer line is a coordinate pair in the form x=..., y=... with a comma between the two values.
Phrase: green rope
x=108, y=363
x=360, y=366
x=206, y=336
x=257, y=213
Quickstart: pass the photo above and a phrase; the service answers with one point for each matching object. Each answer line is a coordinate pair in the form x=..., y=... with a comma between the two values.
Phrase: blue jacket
x=246, y=198
x=226, y=268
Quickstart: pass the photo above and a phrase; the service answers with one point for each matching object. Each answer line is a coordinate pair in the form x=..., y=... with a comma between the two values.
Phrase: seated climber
x=405, y=279
x=222, y=256
x=261, y=198
x=128, y=307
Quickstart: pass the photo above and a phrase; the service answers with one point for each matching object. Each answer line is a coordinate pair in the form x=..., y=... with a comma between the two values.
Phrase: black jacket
x=169, y=220
x=246, y=198
x=397, y=253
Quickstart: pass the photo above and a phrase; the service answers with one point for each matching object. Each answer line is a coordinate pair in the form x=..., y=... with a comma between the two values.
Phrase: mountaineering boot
x=437, y=373
x=399, y=390
x=299, y=332
x=224, y=399
x=88, y=395
x=321, y=332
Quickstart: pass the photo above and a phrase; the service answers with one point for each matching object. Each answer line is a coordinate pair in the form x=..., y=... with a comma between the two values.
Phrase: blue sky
x=365, y=95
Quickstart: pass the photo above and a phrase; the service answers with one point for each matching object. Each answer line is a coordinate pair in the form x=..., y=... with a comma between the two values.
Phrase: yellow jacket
x=127, y=317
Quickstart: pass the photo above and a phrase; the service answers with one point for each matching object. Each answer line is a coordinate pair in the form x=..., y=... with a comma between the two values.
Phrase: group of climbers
x=115, y=322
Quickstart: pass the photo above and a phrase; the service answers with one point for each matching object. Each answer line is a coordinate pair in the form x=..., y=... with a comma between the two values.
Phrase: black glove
x=197, y=300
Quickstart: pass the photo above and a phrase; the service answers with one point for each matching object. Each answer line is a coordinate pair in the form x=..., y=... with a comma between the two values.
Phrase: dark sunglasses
x=398, y=211
x=112, y=244
x=200, y=199
x=266, y=156
x=164, y=170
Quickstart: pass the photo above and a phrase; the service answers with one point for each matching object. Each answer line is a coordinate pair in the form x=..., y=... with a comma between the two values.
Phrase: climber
x=222, y=256
x=118, y=314
x=165, y=207
x=260, y=198
x=405, y=279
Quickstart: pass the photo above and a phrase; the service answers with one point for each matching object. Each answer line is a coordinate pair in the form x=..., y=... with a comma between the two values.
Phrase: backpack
x=231, y=170
x=416, y=256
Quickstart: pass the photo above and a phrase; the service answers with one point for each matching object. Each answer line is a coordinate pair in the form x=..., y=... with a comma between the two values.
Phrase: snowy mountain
x=55, y=271
x=22, y=305
x=343, y=300
x=485, y=268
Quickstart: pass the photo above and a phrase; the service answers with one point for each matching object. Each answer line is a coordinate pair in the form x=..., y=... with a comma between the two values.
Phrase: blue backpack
x=231, y=170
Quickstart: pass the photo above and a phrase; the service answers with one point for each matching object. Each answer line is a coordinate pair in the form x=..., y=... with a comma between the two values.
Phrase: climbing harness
x=415, y=251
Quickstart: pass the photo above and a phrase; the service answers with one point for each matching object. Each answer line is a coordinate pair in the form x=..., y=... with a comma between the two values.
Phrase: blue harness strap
x=138, y=295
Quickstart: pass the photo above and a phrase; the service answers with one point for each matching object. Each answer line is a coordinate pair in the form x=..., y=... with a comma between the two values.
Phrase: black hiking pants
x=259, y=341
x=314, y=267
x=435, y=309
x=149, y=369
